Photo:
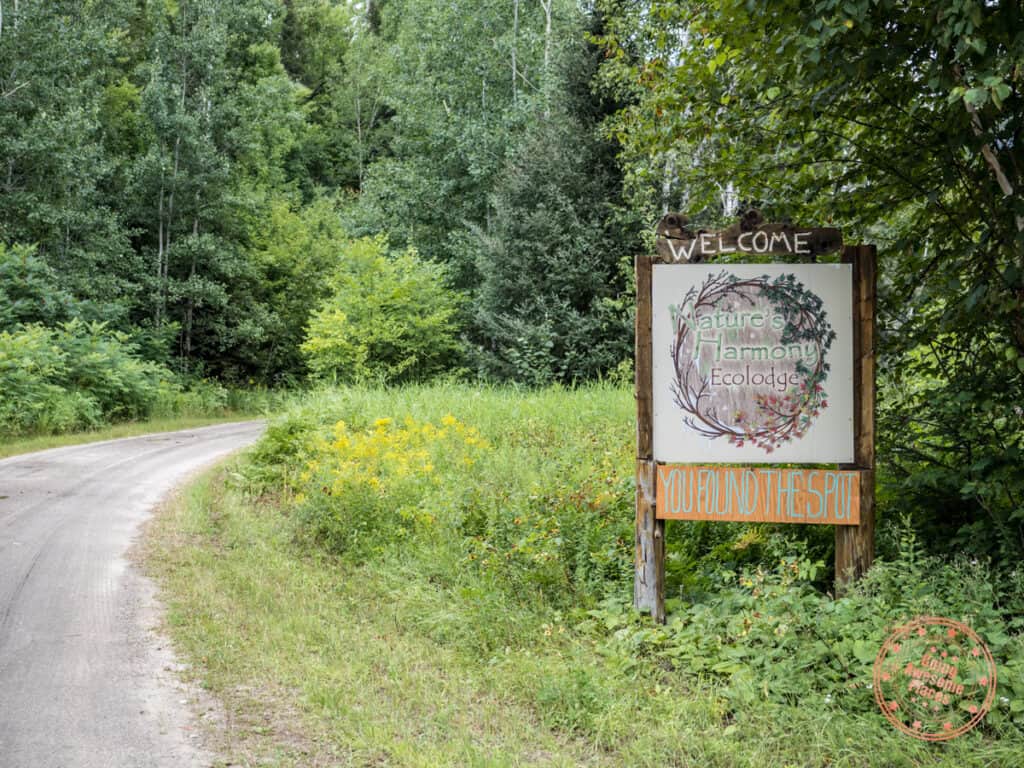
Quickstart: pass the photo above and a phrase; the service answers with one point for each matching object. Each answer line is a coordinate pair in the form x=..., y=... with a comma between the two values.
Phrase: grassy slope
x=18, y=445
x=400, y=660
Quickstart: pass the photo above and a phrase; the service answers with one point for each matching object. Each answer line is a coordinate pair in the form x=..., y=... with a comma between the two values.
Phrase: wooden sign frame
x=854, y=544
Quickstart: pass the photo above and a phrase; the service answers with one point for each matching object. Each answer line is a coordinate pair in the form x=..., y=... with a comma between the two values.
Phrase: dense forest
x=264, y=191
x=208, y=176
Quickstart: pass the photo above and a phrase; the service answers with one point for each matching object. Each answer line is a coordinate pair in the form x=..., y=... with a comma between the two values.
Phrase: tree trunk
x=360, y=152
x=190, y=309
x=666, y=182
x=546, y=77
x=515, y=44
x=158, y=313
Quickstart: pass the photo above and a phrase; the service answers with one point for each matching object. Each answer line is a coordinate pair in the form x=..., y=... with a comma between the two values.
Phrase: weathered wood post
x=855, y=545
x=649, y=563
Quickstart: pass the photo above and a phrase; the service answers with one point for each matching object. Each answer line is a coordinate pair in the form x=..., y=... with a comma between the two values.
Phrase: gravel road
x=85, y=681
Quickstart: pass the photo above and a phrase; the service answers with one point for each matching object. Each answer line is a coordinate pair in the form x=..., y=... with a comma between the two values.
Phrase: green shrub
x=390, y=318
x=75, y=376
x=30, y=366
x=769, y=636
x=104, y=366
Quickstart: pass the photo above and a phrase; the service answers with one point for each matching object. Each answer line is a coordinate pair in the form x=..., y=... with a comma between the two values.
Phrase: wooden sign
x=678, y=243
x=752, y=362
x=758, y=495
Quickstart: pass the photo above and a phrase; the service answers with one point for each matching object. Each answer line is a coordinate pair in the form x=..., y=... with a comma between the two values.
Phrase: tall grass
x=482, y=538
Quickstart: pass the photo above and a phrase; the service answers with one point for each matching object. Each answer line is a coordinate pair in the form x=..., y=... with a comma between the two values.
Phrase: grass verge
x=322, y=661
x=313, y=661
x=19, y=445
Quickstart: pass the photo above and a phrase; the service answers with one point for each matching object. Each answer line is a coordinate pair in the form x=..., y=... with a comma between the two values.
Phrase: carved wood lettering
x=678, y=243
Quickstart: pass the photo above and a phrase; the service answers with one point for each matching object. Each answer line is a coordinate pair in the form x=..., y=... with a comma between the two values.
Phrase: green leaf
x=976, y=96
x=864, y=651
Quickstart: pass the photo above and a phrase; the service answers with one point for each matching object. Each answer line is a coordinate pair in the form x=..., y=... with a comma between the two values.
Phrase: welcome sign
x=752, y=363
x=745, y=375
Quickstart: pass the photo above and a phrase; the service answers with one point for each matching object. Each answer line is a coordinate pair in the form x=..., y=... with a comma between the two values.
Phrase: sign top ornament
x=678, y=243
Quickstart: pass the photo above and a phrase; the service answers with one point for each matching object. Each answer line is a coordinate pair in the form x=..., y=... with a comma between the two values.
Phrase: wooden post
x=649, y=565
x=855, y=545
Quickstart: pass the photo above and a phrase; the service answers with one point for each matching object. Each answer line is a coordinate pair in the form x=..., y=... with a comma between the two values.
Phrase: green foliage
x=495, y=168
x=30, y=290
x=295, y=250
x=389, y=318
x=184, y=168
x=497, y=525
x=55, y=61
x=769, y=636
x=549, y=264
x=897, y=122
x=81, y=375
x=530, y=493
x=74, y=376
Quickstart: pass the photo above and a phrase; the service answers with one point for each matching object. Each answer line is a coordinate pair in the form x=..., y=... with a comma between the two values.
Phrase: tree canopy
x=899, y=122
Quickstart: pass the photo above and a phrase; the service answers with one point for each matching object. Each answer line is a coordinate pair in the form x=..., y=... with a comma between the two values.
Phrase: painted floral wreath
x=779, y=418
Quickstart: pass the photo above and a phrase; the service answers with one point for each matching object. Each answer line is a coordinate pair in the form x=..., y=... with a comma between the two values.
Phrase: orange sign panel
x=758, y=495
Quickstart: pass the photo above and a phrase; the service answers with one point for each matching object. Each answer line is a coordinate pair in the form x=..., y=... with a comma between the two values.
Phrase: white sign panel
x=753, y=363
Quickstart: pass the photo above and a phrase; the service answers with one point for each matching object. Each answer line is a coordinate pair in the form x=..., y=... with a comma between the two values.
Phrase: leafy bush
x=390, y=318
x=103, y=366
x=953, y=452
x=768, y=636
x=75, y=376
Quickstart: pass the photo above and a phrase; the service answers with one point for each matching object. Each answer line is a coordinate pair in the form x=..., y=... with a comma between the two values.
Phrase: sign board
x=678, y=243
x=752, y=363
x=758, y=494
